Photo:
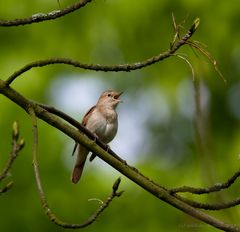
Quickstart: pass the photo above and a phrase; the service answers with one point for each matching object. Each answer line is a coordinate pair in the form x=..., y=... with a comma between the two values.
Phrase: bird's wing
x=84, y=123
x=87, y=115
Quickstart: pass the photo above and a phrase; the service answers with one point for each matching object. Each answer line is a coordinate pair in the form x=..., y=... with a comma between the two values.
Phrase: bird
x=102, y=121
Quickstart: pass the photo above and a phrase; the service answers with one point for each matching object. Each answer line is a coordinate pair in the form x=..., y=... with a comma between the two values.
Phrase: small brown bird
x=101, y=120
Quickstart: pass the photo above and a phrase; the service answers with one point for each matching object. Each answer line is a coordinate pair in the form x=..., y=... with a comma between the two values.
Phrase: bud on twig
x=21, y=144
x=115, y=188
x=15, y=130
x=116, y=184
x=195, y=25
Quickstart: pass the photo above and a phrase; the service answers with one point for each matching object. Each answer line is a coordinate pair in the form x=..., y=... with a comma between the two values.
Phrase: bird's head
x=110, y=98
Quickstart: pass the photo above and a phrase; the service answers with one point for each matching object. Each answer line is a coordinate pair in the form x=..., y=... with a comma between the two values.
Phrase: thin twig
x=40, y=17
x=176, y=30
x=59, y=4
x=96, y=199
x=108, y=68
x=199, y=47
x=216, y=187
x=188, y=63
x=42, y=195
x=208, y=206
x=17, y=146
x=6, y=187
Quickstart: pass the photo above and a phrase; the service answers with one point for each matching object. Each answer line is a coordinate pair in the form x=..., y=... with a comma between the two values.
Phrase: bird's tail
x=78, y=168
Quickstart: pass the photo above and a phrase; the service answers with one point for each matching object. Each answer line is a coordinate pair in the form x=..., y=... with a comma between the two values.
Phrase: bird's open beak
x=117, y=95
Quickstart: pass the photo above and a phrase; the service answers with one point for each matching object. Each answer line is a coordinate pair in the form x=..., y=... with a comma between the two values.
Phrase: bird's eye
x=109, y=95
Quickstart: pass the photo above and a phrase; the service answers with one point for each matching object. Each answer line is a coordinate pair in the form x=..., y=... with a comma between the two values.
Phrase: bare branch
x=176, y=28
x=42, y=195
x=188, y=63
x=106, y=203
x=207, y=206
x=47, y=114
x=108, y=68
x=125, y=169
x=216, y=187
x=40, y=17
x=16, y=148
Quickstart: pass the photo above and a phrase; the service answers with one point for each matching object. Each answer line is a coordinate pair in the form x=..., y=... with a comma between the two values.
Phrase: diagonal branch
x=40, y=17
x=81, y=128
x=109, y=68
x=42, y=195
x=125, y=169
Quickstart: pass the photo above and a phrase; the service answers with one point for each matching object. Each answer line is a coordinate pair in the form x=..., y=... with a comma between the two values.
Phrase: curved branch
x=188, y=63
x=109, y=68
x=40, y=17
x=42, y=195
x=215, y=188
x=207, y=206
x=125, y=169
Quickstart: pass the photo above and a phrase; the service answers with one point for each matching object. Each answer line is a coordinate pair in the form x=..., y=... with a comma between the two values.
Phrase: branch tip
x=16, y=147
x=119, y=194
x=116, y=184
x=21, y=143
x=115, y=188
x=15, y=130
x=195, y=25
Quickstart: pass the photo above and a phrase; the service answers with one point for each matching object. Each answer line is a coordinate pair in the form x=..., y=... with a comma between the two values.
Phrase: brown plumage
x=101, y=120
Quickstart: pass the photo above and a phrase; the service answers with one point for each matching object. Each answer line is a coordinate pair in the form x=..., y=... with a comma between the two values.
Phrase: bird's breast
x=110, y=132
x=103, y=125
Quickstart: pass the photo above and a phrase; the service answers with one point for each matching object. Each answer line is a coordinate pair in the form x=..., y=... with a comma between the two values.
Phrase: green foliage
x=110, y=32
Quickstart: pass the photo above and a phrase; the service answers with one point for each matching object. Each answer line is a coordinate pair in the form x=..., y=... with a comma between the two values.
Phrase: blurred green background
x=156, y=121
